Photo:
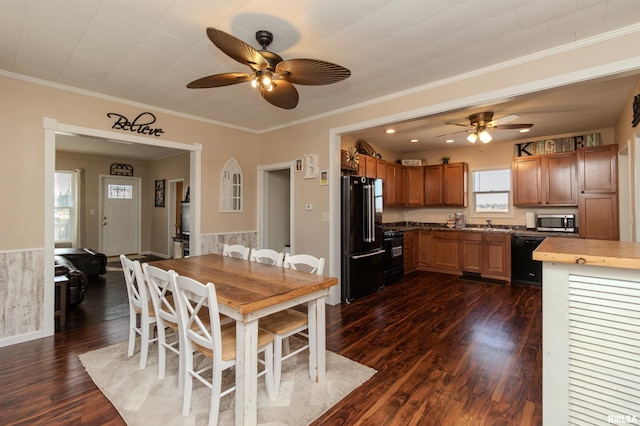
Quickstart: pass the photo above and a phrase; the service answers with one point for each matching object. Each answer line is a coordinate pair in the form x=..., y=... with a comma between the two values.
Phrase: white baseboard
x=21, y=338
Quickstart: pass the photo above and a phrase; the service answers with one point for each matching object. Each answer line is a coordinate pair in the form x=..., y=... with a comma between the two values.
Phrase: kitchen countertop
x=497, y=229
x=613, y=254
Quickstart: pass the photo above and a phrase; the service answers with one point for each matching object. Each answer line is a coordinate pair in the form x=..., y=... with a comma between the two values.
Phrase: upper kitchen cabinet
x=414, y=179
x=545, y=180
x=598, y=192
x=455, y=184
x=560, y=180
x=598, y=169
x=370, y=166
x=390, y=187
x=446, y=185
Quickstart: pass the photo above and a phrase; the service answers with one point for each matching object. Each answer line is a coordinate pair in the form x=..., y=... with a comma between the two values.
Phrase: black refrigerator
x=362, y=239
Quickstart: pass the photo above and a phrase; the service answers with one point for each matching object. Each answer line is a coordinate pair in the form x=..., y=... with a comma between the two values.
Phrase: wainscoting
x=213, y=243
x=21, y=295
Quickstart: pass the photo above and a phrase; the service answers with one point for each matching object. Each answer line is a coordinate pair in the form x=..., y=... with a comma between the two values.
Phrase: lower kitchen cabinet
x=484, y=253
x=410, y=251
x=471, y=251
x=496, y=254
x=445, y=252
x=424, y=248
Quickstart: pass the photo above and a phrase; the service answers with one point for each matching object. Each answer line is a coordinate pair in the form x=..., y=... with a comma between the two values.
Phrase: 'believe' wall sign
x=141, y=124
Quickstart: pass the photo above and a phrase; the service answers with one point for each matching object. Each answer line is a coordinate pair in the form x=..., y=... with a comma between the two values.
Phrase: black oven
x=393, y=256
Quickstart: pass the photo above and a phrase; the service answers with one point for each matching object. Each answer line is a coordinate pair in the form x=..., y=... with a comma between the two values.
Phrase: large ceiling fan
x=483, y=121
x=270, y=74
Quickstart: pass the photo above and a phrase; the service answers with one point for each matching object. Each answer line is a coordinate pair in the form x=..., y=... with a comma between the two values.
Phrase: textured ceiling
x=147, y=51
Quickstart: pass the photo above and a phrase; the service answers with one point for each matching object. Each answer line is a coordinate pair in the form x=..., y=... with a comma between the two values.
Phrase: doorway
x=120, y=215
x=275, y=204
x=51, y=128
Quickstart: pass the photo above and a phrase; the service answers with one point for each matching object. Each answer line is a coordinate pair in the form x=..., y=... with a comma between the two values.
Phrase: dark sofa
x=78, y=265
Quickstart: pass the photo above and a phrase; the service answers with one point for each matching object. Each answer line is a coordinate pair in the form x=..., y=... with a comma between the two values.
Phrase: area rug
x=142, y=399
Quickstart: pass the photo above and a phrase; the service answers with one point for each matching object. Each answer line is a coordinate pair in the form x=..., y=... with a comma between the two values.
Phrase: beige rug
x=142, y=399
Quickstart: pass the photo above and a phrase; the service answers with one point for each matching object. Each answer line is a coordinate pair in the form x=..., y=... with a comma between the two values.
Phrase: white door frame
x=171, y=216
x=263, y=197
x=51, y=126
x=101, y=209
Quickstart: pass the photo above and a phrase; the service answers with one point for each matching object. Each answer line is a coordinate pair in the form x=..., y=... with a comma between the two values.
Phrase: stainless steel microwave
x=556, y=222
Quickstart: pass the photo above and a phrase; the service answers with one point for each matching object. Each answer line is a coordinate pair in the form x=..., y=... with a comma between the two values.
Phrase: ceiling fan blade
x=284, y=95
x=237, y=49
x=311, y=72
x=219, y=80
x=503, y=120
x=513, y=126
x=454, y=133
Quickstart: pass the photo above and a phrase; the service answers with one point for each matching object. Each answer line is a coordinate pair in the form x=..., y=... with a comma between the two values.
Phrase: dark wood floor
x=448, y=352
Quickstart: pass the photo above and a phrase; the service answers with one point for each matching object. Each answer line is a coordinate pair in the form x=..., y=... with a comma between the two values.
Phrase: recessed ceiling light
x=390, y=131
x=524, y=130
x=413, y=140
x=449, y=141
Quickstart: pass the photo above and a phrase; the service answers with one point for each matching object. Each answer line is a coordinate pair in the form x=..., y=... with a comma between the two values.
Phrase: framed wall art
x=160, y=193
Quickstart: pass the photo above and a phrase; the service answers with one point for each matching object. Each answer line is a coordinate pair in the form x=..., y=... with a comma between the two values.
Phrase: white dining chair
x=140, y=305
x=266, y=256
x=289, y=322
x=161, y=289
x=236, y=250
x=215, y=341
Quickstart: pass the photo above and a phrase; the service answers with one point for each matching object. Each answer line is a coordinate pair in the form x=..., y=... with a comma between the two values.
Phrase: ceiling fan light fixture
x=485, y=136
x=473, y=137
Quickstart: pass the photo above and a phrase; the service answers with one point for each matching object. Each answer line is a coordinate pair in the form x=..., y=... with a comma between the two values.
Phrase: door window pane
x=124, y=192
x=63, y=205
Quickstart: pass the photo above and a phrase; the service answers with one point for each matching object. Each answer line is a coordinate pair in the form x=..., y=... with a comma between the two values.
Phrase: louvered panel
x=604, y=349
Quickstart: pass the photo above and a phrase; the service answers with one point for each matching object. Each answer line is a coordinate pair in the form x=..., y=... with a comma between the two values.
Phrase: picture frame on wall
x=324, y=177
x=160, y=193
x=298, y=164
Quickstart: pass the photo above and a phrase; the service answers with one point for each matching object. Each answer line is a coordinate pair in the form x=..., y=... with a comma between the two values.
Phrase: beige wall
x=93, y=166
x=23, y=105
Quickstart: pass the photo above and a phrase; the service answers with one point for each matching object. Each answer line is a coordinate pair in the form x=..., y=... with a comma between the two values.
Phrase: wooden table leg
x=246, y=372
x=62, y=283
x=317, y=340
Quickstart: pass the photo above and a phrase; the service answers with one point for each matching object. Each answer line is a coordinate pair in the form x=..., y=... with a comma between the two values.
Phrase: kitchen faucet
x=488, y=223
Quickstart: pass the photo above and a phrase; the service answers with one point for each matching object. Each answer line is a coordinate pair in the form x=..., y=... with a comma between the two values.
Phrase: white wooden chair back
x=304, y=262
x=267, y=256
x=236, y=250
x=161, y=291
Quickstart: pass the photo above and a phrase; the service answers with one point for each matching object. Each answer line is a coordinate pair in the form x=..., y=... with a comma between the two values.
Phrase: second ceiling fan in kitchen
x=481, y=122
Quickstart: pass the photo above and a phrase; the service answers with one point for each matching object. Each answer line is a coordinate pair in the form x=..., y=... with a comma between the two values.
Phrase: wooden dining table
x=248, y=291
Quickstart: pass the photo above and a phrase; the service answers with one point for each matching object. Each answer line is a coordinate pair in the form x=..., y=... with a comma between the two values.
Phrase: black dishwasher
x=524, y=269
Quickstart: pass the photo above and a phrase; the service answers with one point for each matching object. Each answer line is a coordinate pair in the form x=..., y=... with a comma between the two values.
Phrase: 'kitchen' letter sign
x=140, y=124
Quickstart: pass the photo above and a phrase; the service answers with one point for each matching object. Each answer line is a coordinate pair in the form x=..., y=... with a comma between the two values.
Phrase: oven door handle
x=373, y=253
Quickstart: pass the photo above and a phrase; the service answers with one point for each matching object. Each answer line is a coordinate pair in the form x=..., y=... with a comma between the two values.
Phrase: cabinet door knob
x=581, y=261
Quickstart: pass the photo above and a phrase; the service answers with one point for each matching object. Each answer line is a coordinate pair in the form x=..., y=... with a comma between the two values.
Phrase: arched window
x=231, y=187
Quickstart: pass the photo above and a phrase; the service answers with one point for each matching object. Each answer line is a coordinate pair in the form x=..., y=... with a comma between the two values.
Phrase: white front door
x=120, y=215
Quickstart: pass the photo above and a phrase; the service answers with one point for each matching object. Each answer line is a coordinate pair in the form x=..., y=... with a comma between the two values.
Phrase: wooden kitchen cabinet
x=445, y=250
x=598, y=211
x=560, y=179
x=433, y=185
x=526, y=177
x=486, y=253
x=390, y=188
x=411, y=251
x=370, y=166
x=471, y=245
x=545, y=180
x=446, y=185
x=496, y=255
x=424, y=248
x=598, y=169
x=414, y=185
x=455, y=184
x=401, y=186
